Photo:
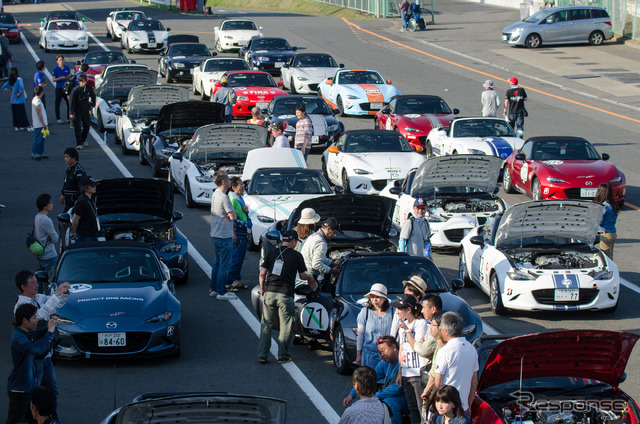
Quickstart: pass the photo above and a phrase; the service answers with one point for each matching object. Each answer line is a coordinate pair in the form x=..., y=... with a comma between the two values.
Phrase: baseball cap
x=419, y=202
x=289, y=235
x=404, y=301
x=417, y=282
x=513, y=81
x=278, y=125
x=87, y=181
x=331, y=223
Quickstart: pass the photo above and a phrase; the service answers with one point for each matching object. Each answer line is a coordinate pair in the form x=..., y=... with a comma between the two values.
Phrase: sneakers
x=284, y=360
x=227, y=296
x=80, y=147
x=262, y=360
x=238, y=285
x=86, y=143
x=213, y=293
x=30, y=129
x=16, y=128
x=231, y=288
x=60, y=121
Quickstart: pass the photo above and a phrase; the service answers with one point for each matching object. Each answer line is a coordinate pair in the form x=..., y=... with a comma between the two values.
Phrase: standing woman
x=15, y=87
x=306, y=226
x=240, y=234
x=374, y=322
x=607, y=226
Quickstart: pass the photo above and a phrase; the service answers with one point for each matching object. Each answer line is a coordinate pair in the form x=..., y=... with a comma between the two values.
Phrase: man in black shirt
x=514, y=109
x=85, y=223
x=277, y=281
x=82, y=100
x=75, y=171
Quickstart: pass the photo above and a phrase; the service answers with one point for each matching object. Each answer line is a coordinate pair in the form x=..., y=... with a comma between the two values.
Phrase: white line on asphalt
x=628, y=284
x=98, y=42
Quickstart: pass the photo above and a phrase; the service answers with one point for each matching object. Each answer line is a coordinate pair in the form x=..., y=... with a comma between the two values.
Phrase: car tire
x=376, y=124
x=188, y=198
x=293, y=88
x=172, y=181
x=251, y=246
x=536, y=191
x=495, y=296
x=345, y=181
x=125, y=150
x=46, y=47
x=324, y=170
x=185, y=278
x=160, y=73
x=116, y=137
x=533, y=41
x=428, y=149
x=177, y=353
x=109, y=35
x=141, y=158
x=340, y=106
x=596, y=38
x=169, y=79
x=463, y=270
x=507, y=182
x=339, y=352
x=203, y=94
x=129, y=49
x=219, y=46
x=100, y=125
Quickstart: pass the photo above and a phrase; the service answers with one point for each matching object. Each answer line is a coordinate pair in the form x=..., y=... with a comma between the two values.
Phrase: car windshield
x=360, y=77
x=270, y=44
x=313, y=105
x=482, y=128
x=251, y=80
x=188, y=50
x=381, y=141
x=302, y=181
x=63, y=26
x=542, y=241
x=357, y=277
x=120, y=68
x=314, y=61
x=226, y=65
x=63, y=15
x=129, y=15
x=105, y=265
x=104, y=58
x=429, y=193
x=538, y=16
x=7, y=19
x=546, y=150
x=140, y=25
x=238, y=26
x=561, y=384
x=421, y=105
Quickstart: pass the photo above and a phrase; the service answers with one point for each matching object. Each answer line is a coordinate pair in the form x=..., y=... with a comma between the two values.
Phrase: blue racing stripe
x=296, y=156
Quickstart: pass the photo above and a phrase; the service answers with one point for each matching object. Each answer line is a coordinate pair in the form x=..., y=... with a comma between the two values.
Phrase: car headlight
x=352, y=97
x=603, y=275
x=85, y=38
x=520, y=276
x=53, y=37
x=204, y=179
x=555, y=180
x=64, y=320
x=409, y=129
x=333, y=127
x=178, y=65
x=135, y=39
x=475, y=152
x=616, y=179
x=263, y=58
x=265, y=219
x=517, y=30
x=361, y=171
x=165, y=316
x=171, y=248
x=243, y=98
x=227, y=37
x=300, y=78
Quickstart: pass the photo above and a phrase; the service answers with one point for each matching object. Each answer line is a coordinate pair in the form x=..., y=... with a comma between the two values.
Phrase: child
x=448, y=406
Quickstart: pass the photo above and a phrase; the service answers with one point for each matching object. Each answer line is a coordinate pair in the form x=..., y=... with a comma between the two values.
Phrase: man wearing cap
x=277, y=130
x=224, y=96
x=314, y=250
x=514, y=109
x=71, y=186
x=277, y=280
x=85, y=222
x=490, y=100
x=415, y=232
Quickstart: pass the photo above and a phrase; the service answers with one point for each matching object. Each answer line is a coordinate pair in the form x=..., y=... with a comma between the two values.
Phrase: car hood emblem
x=111, y=325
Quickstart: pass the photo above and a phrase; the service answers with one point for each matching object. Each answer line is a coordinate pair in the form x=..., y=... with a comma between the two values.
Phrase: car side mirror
x=393, y=232
x=132, y=61
x=123, y=29
x=605, y=156
x=280, y=84
x=118, y=112
x=623, y=378
x=385, y=110
x=177, y=156
x=286, y=65
x=341, y=65
x=78, y=62
x=177, y=215
x=521, y=156
x=336, y=111
x=65, y=217
x=338, y=189
x=496, y=190
x=176, y=273
x=333, y=149
x=418, y=149
x=273, y=236
x=389, y=82
x=477, y=240
x=294, y=49
x=395, y=190
x=456, y=111
x=457, y=284
x=329, y=81
x=42, y=276
x=168, y=29
x=146, y=131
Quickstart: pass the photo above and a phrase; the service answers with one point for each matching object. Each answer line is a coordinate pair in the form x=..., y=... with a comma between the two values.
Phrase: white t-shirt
x=456, y=362
x=35, y=102
x=281, y=141
x=410, y=361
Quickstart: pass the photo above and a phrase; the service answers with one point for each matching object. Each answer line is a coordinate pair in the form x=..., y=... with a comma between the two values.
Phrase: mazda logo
x=111, y=325
x=566, y=282
x=588, y=183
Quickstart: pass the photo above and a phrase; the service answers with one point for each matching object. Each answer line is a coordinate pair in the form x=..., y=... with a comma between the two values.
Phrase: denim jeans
x=405, y=20
x=37, y=149
x=237, y=255
x=85, y=239
x=47, y=265
x=46, y=376
x=283, y=306
x=412, y=387
x=221, y=260
x=516, y=119
x=305, y=153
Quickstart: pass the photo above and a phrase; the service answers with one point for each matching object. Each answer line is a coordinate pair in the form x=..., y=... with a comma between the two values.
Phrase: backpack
x=69, y=84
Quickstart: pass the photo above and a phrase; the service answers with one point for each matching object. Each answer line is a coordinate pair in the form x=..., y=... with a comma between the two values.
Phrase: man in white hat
x=415, y=234
x=490, y=100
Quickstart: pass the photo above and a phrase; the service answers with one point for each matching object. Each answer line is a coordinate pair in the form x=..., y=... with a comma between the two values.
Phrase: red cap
x=513, y=81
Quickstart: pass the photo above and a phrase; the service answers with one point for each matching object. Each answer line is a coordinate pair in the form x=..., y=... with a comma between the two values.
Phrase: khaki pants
x=606, y=243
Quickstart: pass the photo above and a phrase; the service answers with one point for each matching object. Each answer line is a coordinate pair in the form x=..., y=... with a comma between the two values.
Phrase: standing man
x=45, y=233
x=277, y=280
x=314, y=250
x=256, y=116
x=40, y=79
x=304, y=131
x=83, y=99
x=5, y=57
x=59, y=76
x=223, y=216
x=223, y=96
x=368, y=409
x=277, y=130
x=85, y=224
x=514, y=109
x=415, y=233
x=404, y=13
x=71, y=186
x=39, y=123
x=241, y=236
x=490, y=100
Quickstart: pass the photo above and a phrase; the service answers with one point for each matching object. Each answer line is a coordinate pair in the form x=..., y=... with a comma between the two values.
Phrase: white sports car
x=143, y=105
x=113, y=93
x=474, y=136
x=213, y=147
x=540, y=256
x=118, y=21
x=234, y=34
x=210, y=71
x=64, y=35
x=144, y=36
x=365, y=161
x=277, y=181
x=305, y=71
x=459, y=191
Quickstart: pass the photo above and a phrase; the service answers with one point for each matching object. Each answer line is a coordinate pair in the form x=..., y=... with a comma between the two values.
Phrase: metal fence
x=625, y=14
x=378, y=8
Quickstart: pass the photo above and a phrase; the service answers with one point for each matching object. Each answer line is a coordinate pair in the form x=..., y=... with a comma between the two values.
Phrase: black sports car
x=122, y=302
x=182, y=54
x=267, y=53
x=176, y=124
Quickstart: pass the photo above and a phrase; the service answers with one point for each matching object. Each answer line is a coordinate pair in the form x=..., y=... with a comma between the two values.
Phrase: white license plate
x=112, y=339
x=588, y=192
x=315, y=139
x=563, y=295
x=505, y=38
x=152, y=45
x=279, y=64
x=376, y=105
x=243, y=43
x=68, y=43
x=262, y=105
x=191, y=70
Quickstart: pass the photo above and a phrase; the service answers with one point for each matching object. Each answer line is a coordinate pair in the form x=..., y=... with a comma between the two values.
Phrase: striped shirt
x=304, y=132
x=365, y=411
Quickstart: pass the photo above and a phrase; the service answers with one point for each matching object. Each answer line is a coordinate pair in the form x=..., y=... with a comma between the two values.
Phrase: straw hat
x=308, y=216
x=417, y=282
x=379, y=290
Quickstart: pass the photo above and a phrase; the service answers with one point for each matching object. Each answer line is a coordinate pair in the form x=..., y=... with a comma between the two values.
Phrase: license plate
x=315, y=139
x=243, y=43
x=563, y=295
x=191, y=70
x=376, y=105
x=279, y=64
x=112, y=339
x=262, y=105
x=505, y=38
x=151, y=45
x=68, y=43
x=588, y=192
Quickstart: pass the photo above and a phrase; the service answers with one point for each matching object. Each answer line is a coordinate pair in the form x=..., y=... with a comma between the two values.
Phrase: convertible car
x=122, y=302
x=10, y=27
x=539, y=256
x=210, y=71
x=62, y=15
x=305, y=71
x=64, y=35
x=561, y=168
x=98, y=78
x=144, y=36
x=183, y=54
x=357, y=91
x=250, y=88
x=97, y=61
x=267, y=53
x=232, y=34
x=118, y=21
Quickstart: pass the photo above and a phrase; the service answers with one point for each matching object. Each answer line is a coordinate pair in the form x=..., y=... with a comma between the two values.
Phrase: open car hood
x=203, y=407
x=124, y=80
x=474, y=171
x=229, y=137
x=192, y=114
x=577, y=219
x=594, y=354
x=145, y=97
x=355, y=212
x=135, y=195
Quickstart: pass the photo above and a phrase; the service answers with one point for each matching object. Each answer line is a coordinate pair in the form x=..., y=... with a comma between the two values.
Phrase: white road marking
x=628, y=284
x=98, y=42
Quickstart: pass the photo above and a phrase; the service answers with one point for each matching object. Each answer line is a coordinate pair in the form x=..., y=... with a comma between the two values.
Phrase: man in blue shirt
x=59, y=76
x=40, y=79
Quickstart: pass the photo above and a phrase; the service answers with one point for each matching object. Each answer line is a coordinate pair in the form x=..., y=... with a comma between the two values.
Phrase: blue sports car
x=122, y=302
x=267, y=54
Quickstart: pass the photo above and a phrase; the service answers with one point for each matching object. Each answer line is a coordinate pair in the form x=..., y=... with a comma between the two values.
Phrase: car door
x=334, y=163
x=182, y=167
x=555, y=28
x=404, y=205
x=479, y=259
x=442, y=140
x=390, y=118
x=285, y=73
x=580, y=24
x=520, y=168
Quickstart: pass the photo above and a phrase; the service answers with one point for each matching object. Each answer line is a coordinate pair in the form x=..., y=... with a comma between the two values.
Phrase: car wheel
x=507, y=184
x=428, y=149
x=116, y=137
x=596, y=38
x=184, y=279
x=219, y=46
x=376, y=124
x=172, y=181
x=463, y=271
x=340, y=106
x=339, y=352
x=169, y=79
x=46, y=47
x=412, y=24
x=109, y=35
x=533, y=41
x=188, y=198
x=345, y=181
x=125, y=150
x=536, y=192
x=160, y=73
x=141, y=158
x=129, y=49
x=324, y=170
x=100, y=122
x=203, y=94
x=293, y=88
x=251, y=246
x=496, y=298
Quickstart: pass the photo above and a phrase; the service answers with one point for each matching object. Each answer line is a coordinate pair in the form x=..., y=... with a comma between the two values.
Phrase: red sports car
x=561, y=168
x=251, y=88
x=97, y=61
x=555, y=377
x=9, y=26
x=414, y=116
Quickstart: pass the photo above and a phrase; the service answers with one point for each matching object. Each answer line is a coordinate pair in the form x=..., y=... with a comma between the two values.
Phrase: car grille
x=506, y=34
x=574, y=193
x=146, y=46
x=313, y=87
x=379, y=184
x=454, y=235
x=545, y=296
x=366, y=106
x=88, y=342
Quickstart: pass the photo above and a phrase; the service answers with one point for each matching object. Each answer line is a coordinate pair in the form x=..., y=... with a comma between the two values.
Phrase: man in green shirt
x=240, y=237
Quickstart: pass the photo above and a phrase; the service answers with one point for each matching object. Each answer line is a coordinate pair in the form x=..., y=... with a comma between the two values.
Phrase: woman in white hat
x=306, y=225
x=374, y=321
x=490, y=99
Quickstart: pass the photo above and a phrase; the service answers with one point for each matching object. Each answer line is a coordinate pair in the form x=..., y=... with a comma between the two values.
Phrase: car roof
x=559, y=8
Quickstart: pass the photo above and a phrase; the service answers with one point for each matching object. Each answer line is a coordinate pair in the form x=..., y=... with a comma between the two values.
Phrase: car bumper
x=514, y=38
x=12, y=36
x=144, y=47
x=561, y=191
x=201, y=192
x=272, y=68
x=364, y=185
x=131, y=140
x=306, y=87
x=417, y=139
x=357, y=107
x=182, y=74
x=108, y=118
x=62, y=45
x=445, y=235
x=243, y=108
